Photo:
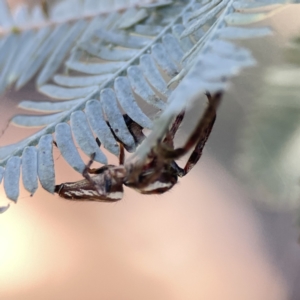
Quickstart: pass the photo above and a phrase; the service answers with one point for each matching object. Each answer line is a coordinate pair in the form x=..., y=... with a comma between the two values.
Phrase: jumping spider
x=156, y=175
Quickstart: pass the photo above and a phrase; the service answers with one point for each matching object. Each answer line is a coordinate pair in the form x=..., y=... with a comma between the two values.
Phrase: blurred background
x=223, y=232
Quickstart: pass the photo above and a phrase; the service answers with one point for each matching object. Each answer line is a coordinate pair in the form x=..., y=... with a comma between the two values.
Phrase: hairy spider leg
x=197, y=152
x=169, y=139
x=199, y=137
x=87, y=170
x=121, y=154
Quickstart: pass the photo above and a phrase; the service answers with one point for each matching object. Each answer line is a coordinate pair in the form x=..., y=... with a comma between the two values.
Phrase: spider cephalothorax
x=156, y=175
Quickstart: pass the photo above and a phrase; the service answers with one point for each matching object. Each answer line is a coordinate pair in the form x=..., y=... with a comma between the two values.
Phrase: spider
x=156, y=175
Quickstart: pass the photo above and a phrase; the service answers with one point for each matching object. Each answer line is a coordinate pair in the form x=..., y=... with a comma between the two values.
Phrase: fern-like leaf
x=113, y=58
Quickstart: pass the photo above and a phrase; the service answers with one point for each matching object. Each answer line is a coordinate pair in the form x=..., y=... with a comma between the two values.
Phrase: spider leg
x=87, y=171
x=196, y=154
x=169, y=139
x=199, y=137
x=121, y=154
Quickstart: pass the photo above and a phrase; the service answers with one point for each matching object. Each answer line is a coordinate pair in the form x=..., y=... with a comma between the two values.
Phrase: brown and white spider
x=156, y=175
